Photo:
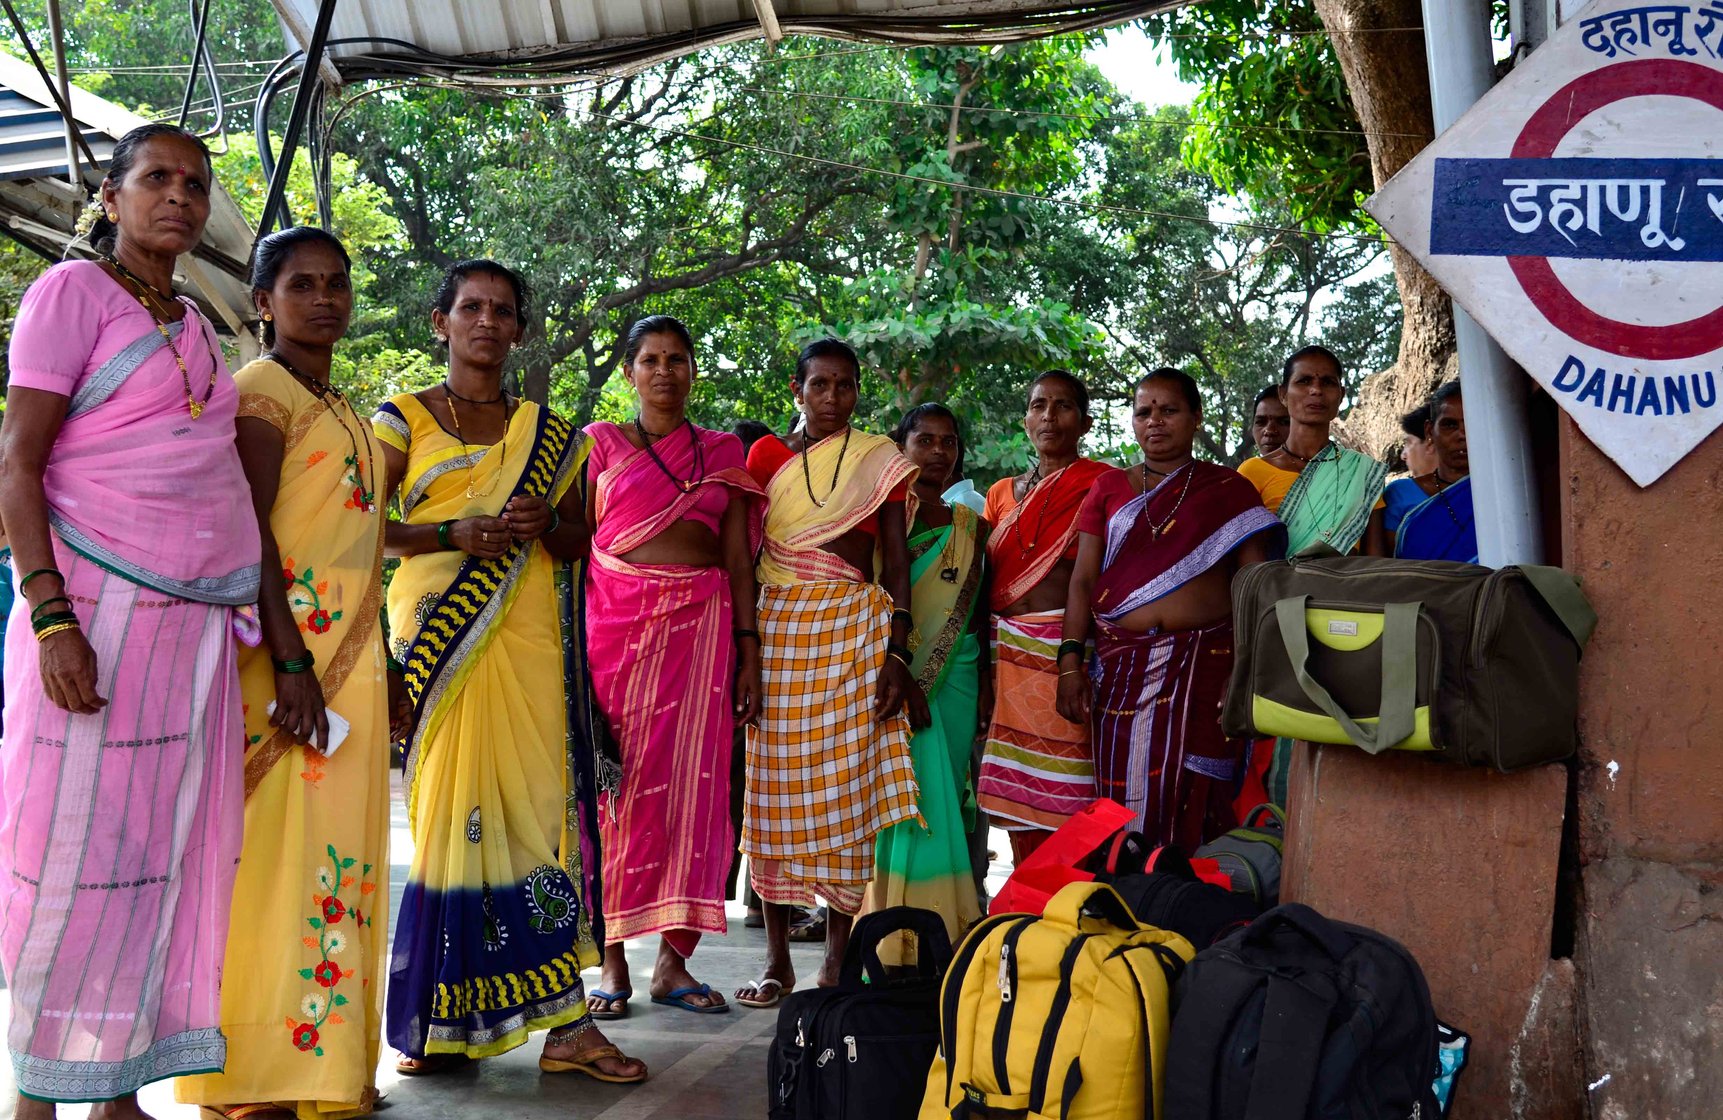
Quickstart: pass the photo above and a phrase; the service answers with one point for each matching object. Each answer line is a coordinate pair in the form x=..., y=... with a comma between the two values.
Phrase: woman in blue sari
x=1442, y=527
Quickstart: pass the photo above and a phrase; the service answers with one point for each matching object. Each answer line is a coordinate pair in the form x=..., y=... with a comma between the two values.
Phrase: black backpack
x=1296, y=1017
x=861, y=1050
x=1163, y=891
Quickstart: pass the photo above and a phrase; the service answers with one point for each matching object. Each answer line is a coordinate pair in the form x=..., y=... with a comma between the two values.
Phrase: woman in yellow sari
x=500, y=912
x=302, y=990
x=301, y=995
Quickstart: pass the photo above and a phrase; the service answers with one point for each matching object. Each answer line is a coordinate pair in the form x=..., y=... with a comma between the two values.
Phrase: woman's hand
x=920, y=714
x=299, y=708
x=400, y=708
x=891, y=689
x=484, y=537
x=1073, y=701
x=748, y=692
x=526, y=517
x=68, y=667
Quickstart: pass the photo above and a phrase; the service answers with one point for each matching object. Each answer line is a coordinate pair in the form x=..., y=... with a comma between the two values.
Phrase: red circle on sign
x=1543, y=131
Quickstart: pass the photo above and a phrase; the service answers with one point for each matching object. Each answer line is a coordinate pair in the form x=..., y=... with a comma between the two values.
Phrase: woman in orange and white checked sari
x=828, y=761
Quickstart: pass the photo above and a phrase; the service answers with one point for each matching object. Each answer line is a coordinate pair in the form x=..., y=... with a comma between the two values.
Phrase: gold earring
x=113, y=215
x=268, y=318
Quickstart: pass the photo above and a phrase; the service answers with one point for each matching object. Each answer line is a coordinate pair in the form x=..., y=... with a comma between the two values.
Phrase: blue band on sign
x=1598, y=209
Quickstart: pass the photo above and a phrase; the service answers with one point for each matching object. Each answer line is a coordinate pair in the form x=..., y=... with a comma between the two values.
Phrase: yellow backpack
x=1061, y=1017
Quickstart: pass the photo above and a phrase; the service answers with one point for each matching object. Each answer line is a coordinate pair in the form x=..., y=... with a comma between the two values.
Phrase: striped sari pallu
x=1037, y=769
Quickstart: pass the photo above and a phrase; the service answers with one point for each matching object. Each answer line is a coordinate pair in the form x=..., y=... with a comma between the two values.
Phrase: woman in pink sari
x=121, y=771
x=676, y=521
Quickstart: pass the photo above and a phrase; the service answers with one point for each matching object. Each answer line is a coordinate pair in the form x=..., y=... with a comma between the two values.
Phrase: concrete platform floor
x=704, y=1067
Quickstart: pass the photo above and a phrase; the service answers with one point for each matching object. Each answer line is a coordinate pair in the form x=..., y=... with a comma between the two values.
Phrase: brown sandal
x=588, y=1064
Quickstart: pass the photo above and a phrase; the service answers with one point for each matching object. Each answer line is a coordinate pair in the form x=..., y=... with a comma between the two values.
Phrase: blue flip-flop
x=679, y=998
x=611, y=997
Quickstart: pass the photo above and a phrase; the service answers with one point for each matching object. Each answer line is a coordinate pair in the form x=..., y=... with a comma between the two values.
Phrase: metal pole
x=308, y=79
x=57, y=31
x=196, y=61
x=1504, y=489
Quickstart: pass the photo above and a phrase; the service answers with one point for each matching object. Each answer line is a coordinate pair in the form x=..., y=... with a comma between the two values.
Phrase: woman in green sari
x=1329, y=497
x=926, y=863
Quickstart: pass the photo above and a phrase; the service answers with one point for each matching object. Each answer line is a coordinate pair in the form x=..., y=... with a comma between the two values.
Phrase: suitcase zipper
x=850, y=1042
x=1005, y=973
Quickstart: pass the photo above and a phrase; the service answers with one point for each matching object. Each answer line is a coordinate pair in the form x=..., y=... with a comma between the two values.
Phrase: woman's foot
x=430, y=1063
x=670, y=975
x=29, y=1108
x=582, y=1048
x=120, y=1108
x=615, y=987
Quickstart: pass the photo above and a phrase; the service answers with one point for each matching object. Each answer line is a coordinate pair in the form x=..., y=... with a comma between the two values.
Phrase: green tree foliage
x=1274, y=119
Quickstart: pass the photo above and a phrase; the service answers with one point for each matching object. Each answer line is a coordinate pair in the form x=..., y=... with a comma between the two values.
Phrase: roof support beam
x=769, y=21
x=308, y=78
x=57, y=31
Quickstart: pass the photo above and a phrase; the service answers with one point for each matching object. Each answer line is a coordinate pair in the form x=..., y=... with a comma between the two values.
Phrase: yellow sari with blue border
x=500, y=911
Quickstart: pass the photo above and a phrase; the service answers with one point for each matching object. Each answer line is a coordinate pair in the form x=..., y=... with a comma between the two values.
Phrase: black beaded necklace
x=807, y=476
x=646, y=439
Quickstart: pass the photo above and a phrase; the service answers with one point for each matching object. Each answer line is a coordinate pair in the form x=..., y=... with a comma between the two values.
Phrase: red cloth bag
x=1053, y=865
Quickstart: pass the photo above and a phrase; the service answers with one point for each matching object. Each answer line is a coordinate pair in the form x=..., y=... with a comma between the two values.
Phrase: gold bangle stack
x=58, y=627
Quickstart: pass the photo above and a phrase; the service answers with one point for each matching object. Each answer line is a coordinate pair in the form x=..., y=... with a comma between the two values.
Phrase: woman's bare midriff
x=1048, y=595
x=1200, y=603
x=684, y=542
x=854, y=548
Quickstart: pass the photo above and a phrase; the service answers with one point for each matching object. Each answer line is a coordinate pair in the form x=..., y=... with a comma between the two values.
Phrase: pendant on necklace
x=196, y=407
x=1157, y=531
x=949, y=575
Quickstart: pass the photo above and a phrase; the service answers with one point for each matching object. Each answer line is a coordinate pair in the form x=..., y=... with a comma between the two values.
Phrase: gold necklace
x=449, y=399
x=158, y=314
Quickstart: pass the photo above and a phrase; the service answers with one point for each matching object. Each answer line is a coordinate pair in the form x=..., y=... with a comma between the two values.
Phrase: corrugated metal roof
x=40, y=207
x=384, y=36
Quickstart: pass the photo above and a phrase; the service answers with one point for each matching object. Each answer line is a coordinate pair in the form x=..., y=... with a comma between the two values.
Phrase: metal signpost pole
x=273, y=201
x=1462, y=69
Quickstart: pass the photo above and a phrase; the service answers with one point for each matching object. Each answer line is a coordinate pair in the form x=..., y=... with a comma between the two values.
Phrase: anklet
x=570, y=1032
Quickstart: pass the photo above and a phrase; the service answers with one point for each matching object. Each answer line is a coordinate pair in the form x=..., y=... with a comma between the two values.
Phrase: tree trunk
x=1389, y=80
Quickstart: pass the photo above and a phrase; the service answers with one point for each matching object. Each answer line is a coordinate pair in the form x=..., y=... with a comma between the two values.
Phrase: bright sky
x=1131, y=62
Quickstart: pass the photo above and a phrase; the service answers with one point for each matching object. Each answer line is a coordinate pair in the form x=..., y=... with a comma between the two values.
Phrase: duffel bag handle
x=861, y=958
x=1318, y=930
x=1395, y=720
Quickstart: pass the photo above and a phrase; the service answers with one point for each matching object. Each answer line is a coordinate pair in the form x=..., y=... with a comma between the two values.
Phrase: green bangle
x=395, y=666
x=296, y=665
x=55, y=619
x=555, y=521
x=38, y=608
x=443, y=531
x=25, y=582
x=1072, y=645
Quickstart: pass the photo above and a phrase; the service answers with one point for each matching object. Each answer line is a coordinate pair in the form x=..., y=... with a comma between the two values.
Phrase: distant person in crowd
x=676, y=521
x=926, y=863
x=1328, y=497
x=500, y=911
x=749, y=432
x=1160, y=545
x=1400, y=495
x=1325, y=494
x=136, y=546
x=315, y=470
x=1268, y=421
x=1037, y=768
x=1442, y=526
x=828, y=759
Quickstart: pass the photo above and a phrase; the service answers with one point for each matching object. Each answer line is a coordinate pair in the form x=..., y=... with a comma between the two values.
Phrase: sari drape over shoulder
x=302, y=1000
x=1159, y=749
x=926, y=863
x=1031, y=536
x=824, y=777
x=119, y=830
x=500, y=911
x=1442, y=527
x=663, y=662
x=1332, y=500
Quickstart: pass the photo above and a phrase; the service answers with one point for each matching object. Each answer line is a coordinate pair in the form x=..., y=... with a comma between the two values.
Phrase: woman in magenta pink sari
x=676, y=521
x=121, y=771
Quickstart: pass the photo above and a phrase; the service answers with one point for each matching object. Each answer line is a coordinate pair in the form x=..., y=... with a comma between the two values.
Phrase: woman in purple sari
x=120, y=775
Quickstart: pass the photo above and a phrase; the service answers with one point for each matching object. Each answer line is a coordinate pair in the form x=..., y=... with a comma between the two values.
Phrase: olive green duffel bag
x=1478, y=666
